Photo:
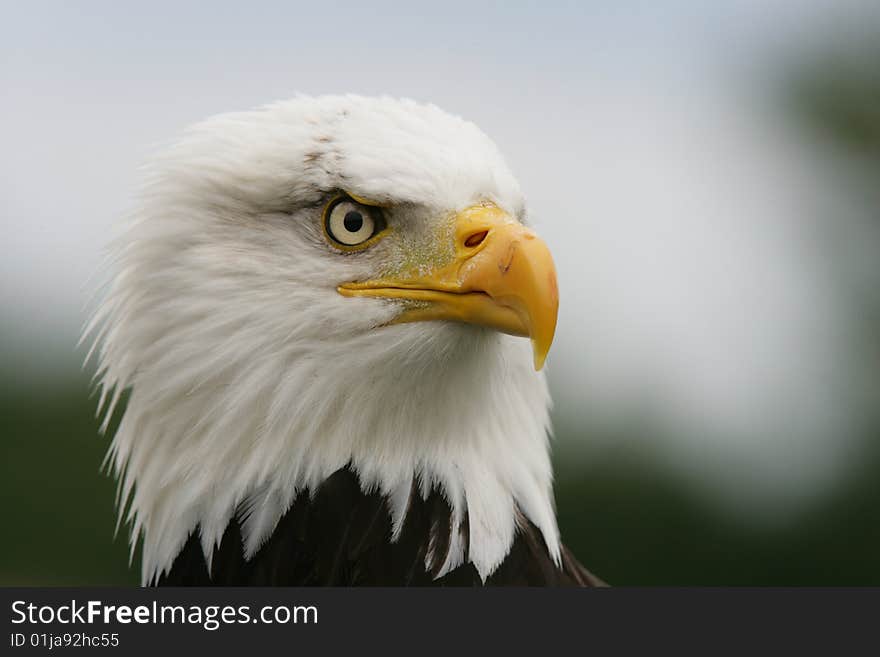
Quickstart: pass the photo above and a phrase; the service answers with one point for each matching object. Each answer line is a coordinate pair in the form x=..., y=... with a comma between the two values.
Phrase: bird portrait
x=321, y=350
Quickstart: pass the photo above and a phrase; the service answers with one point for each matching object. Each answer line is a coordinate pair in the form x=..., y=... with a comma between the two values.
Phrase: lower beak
x=501, y=276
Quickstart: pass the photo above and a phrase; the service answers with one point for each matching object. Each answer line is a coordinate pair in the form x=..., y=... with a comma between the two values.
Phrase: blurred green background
x=626, y=505
x=628, y=519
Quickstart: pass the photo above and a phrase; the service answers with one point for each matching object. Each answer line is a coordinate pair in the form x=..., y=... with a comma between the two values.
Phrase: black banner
x=394, y=621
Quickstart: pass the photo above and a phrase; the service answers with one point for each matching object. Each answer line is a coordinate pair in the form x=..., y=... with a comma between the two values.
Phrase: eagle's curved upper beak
x=501, y=276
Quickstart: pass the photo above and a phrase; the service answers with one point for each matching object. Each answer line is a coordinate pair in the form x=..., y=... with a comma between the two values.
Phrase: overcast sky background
x=687, y=218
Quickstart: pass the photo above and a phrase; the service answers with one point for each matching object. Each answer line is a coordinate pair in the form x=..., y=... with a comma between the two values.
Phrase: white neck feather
x=474, y=424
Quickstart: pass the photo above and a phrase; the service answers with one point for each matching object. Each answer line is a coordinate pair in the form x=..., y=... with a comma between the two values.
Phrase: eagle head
x=325, y=283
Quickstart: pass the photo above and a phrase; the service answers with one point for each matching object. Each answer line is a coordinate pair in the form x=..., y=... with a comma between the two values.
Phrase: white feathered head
x=323, y=282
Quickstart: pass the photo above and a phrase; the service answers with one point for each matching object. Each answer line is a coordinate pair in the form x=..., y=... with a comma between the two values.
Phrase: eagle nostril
x=476, y=239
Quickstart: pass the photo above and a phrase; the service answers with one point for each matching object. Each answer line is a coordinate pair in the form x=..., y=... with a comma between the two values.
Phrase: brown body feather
x=341, y=536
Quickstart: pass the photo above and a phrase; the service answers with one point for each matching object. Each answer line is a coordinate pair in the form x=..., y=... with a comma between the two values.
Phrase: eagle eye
x=350, y=225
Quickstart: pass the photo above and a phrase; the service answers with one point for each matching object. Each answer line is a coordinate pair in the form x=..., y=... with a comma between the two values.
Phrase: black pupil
x=353, y=221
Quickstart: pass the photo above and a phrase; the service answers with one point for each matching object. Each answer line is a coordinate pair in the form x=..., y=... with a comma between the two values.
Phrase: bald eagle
x=318, y=310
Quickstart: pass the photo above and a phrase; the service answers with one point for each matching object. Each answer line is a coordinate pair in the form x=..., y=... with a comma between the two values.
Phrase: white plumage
x=252, y=379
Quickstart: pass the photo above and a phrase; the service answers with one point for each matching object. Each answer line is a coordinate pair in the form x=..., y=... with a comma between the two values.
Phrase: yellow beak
x=501, y=276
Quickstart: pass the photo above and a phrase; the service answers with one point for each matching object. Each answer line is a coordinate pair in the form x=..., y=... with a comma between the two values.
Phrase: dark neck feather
x=341, y=536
